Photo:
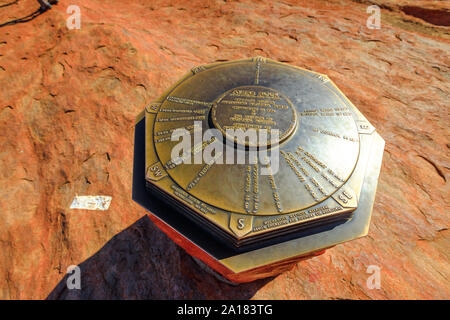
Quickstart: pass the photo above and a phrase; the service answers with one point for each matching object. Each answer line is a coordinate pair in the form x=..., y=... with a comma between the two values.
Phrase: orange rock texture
x=69, y=97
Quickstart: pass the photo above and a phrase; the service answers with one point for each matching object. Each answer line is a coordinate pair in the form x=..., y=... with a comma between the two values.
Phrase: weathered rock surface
x=68, y=100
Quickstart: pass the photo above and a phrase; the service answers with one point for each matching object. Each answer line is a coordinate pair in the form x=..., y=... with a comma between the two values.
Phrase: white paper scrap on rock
x=91, y=202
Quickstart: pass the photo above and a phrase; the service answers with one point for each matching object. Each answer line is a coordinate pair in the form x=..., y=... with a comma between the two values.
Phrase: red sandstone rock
x=67, y=105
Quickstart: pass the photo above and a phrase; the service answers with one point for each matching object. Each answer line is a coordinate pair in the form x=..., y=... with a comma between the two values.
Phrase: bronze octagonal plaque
x=323, y=147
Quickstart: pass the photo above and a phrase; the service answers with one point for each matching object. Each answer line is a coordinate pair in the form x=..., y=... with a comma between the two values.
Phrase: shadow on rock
x=141, y=262
x=44, y=6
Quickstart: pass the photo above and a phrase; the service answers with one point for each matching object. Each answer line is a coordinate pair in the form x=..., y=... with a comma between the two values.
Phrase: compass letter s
x=241, y=224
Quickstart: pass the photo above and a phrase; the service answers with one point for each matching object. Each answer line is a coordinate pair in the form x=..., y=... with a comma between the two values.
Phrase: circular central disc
x=266, y=111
